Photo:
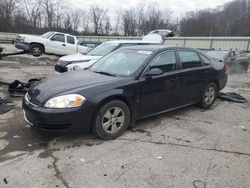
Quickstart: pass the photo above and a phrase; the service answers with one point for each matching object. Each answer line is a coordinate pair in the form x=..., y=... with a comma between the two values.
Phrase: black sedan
x=129, y=84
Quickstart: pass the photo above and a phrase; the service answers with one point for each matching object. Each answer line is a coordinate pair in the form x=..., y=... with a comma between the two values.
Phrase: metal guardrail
x=7, y=37
x=225, y=43
x=234, y=43
x=100, y=39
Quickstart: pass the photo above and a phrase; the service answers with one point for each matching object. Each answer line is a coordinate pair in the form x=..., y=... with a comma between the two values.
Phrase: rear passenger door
x=194, y=73
x=71, y=44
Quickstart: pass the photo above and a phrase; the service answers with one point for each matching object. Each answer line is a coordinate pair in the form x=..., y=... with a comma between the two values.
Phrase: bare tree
x=33, y=11
x=129, y=22
x=67, y=22
x=7, y=8
x=117, y=25
x=97, y=15
x=50, y=7
x=76, y=19
x=107, y=26
x=85, y=21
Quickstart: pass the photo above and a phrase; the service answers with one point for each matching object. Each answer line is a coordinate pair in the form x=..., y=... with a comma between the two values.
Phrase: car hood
x=65, y=83
x=79, y=57
x=30, y=37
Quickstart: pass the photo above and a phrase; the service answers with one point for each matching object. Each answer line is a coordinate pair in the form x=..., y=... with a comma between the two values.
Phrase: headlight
x=20, y=38
x=65, y=101
x=63, y=63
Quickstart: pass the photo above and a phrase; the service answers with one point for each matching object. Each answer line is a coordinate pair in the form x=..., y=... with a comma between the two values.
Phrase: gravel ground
x=186, y=148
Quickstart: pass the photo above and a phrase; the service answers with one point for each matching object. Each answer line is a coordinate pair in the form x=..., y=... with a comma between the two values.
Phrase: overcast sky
x=179, y=7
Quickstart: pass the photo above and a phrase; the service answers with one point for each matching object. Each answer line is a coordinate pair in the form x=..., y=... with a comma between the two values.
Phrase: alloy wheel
x=36, y=51
x=209, y=95
x=113, y=120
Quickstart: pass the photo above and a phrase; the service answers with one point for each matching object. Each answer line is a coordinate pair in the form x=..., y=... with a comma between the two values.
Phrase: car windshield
x=122, y=63
x=47, y=35
x=103, y=49
x=217, y=54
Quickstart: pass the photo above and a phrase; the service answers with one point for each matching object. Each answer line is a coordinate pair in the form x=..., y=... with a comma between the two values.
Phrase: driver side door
x=159, y=93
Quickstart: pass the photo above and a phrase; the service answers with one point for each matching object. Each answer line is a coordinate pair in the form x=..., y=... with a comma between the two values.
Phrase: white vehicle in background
x=49, y=43
x=163, y=32
x=84, y=60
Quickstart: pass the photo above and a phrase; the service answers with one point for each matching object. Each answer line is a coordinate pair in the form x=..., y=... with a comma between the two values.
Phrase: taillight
x=226, y=68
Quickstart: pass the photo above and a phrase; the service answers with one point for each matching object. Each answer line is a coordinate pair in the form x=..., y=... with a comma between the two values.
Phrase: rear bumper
x=22, y=46
x=71, y=120
x=223, y=82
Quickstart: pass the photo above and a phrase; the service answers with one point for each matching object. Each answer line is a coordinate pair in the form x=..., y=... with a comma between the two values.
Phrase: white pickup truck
x=49, y=43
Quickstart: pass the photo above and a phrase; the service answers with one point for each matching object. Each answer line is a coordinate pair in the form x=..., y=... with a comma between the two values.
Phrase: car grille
x=59, y=68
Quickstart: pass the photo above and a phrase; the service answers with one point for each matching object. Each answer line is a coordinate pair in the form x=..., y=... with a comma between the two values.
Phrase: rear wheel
x=36, y=50
x=111, y=120
x=209, y=96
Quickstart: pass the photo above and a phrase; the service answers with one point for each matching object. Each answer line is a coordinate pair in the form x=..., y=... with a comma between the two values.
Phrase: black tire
x=100, y=119
x=36, y=50
x=205, y=103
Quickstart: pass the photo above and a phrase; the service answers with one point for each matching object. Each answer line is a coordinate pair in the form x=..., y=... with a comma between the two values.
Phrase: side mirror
x=153, y=72
x=52, y=39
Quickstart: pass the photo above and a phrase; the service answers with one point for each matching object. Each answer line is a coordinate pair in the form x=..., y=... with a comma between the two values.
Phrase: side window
x=70, y=40
x=205, y=60
x=189, y=59
x=165, y=61
x=58, y=38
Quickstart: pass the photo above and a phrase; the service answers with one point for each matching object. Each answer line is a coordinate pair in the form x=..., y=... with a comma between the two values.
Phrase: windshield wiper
x=105, y=73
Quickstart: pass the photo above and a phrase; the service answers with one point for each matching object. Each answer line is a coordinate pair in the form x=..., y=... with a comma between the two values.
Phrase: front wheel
x=209, y=96
x=111, y=120
x=36, y=50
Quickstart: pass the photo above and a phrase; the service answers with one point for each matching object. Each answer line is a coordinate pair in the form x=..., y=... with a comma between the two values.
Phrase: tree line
x=39, y=16
x=231, y=19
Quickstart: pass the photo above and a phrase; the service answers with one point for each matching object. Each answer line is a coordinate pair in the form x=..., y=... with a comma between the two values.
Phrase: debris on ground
x=5, y=181
x=6, y=105
x=19, y=89
x=243, y=128
x=16, y=136
x=232, y=97
x=82, y=160
x=199, y=184
x=160, y=157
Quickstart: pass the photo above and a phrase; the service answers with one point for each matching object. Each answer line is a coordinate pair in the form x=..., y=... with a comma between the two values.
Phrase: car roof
x=155, y=47
x=131, y=42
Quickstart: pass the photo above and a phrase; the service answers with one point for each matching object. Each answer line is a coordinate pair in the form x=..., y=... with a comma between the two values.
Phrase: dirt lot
x=187, y=148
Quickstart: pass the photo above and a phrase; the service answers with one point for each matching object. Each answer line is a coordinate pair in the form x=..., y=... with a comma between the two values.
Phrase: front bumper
x=60, y=68
x=73, y=120
x=22, y=46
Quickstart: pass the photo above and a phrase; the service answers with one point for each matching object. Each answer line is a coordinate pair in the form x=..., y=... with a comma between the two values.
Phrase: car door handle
x=64, y=44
